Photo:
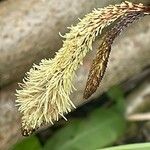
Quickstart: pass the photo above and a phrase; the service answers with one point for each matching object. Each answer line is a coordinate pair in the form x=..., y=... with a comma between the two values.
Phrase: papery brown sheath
x=99, y=64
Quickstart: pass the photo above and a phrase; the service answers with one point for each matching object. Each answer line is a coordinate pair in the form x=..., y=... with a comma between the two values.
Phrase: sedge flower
x=44, y=94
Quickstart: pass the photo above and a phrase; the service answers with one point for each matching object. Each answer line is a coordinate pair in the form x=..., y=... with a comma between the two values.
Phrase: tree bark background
x=29, y=32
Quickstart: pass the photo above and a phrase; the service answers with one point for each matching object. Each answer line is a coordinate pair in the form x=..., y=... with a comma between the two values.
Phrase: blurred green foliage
x=30, y=143
x=139, y=146
x=101, y=128
x=116, y=94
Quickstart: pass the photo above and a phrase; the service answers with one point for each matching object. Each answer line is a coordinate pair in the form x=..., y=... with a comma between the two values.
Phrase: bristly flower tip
x=45, y=91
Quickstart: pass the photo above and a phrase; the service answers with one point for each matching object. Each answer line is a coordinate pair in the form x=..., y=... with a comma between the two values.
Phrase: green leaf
x=30, y=143
x=139, y=146
x=116, y=94
x=100, y=129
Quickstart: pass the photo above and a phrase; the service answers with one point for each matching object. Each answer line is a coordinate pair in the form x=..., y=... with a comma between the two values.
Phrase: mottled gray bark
x=139, y=100
x=9, y=118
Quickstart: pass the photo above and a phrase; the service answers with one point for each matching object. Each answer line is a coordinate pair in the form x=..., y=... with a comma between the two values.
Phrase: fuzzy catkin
x=44, y=93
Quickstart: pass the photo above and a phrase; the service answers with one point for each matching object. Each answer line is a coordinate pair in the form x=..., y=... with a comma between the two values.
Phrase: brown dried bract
x=99, y=64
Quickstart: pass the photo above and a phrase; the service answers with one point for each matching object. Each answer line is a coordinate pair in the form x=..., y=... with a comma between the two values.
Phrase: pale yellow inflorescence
x=44, y=95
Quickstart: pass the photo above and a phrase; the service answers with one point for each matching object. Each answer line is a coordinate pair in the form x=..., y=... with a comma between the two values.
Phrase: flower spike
x=44, y=94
